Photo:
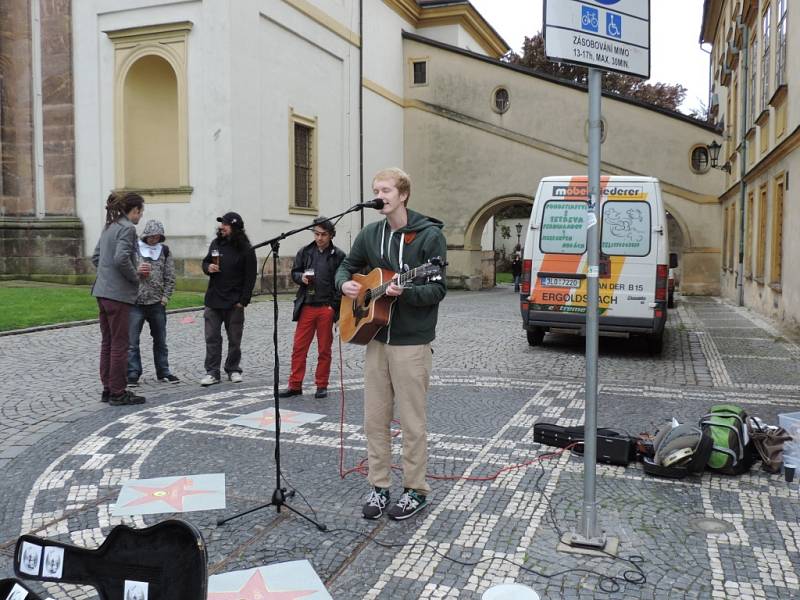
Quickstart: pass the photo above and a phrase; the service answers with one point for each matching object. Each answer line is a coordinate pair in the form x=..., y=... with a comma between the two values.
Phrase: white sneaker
x=235, y=377
x=208, y=380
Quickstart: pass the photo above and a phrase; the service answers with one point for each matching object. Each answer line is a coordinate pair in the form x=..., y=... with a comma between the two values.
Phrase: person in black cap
x=316, y=307
x=231, y=268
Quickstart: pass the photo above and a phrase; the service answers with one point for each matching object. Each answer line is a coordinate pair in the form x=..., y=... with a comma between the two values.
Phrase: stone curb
x=80, y=323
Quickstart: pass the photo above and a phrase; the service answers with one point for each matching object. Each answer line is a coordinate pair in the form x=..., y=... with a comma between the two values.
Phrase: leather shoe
x=321, y=393
x=289, y=392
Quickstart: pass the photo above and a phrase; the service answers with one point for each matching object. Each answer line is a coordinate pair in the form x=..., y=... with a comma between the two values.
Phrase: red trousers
x=319, y=320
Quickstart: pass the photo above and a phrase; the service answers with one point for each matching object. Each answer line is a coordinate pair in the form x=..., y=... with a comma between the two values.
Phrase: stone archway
x=468, y=257
x=680, y=238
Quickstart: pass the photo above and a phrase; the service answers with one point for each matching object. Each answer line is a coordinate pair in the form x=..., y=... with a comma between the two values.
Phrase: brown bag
x=768, y=442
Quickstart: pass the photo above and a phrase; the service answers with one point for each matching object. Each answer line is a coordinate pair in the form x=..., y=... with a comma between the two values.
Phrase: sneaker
x=169, y=379
x=126, y=398
x=289, y=392
x=235, y=377
x=321, y=393
x=209, y=380
x=133, y=382
x=377, y=500
x=106, y=395
x=410, y=503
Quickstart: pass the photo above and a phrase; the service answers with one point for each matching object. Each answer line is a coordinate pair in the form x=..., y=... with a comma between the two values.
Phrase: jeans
x=113, y=344
x=233, y=319
x=156, y=317
x=517, y=280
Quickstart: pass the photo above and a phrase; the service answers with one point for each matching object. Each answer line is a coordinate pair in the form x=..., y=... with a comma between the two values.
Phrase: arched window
x=151, y=125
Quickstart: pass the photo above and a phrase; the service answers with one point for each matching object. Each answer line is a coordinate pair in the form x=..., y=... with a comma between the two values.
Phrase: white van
x=634, y=259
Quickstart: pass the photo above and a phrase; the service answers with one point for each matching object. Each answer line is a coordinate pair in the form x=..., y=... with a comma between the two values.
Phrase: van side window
x=562, y=227
x=626, y=228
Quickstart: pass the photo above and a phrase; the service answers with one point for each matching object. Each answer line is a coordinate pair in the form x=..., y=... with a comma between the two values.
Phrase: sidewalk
x=71, y=453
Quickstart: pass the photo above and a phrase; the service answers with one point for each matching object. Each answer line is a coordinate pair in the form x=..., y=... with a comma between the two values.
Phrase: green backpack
x=732, y=452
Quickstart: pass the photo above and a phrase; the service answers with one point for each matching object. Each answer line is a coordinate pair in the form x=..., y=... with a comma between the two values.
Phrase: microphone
x=377, y=204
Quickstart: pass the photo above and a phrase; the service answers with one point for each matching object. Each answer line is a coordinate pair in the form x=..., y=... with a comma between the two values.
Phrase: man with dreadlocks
x=116, y=287
x=231, y=268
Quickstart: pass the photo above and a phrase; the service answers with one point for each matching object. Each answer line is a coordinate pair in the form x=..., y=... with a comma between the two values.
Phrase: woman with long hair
x=115, y=288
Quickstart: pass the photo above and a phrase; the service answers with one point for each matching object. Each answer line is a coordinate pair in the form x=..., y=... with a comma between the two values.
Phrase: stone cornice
x=453, y=14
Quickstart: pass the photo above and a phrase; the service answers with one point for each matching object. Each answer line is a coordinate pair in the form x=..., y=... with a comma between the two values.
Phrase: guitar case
x=13, y=589
x=167, y=561
x=613, y=447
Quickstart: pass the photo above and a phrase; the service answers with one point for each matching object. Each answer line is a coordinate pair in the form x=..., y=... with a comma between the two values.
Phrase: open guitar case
x=167, y=561
x=21, y=591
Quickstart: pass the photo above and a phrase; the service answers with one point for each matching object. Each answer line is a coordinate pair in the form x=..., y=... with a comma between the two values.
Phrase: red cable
x=361, y=467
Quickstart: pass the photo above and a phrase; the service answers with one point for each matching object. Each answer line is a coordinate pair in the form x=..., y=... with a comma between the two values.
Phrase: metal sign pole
x=593, y=292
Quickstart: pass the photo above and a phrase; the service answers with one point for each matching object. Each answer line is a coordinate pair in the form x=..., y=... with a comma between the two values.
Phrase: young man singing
x=399, y=359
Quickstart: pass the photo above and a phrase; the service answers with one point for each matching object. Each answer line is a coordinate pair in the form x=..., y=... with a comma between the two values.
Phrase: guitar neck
x=402, y=279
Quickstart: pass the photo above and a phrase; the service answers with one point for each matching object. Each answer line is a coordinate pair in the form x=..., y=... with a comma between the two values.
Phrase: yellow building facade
x=756, y=104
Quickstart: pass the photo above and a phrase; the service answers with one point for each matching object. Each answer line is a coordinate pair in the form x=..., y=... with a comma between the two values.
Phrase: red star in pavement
x=173, y=494
x=256, y=589
x=267, y=418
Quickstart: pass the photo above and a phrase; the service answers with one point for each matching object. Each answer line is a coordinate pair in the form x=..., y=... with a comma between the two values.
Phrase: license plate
x=564, y=282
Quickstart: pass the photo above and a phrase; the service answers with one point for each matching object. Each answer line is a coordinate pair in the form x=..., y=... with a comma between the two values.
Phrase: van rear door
x=629, y=242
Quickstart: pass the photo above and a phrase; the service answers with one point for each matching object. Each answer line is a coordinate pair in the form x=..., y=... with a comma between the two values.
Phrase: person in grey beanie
x=154, y=293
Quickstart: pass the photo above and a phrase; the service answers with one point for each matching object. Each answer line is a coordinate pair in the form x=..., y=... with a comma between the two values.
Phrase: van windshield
x=562, y=227
x=626, y=228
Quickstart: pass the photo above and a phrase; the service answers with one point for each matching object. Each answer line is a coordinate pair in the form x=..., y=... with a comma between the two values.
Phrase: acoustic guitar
x=167, y=561
x=361, y=318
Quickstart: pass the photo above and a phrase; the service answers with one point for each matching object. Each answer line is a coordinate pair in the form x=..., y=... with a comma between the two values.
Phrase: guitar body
x=361, y=318
x=167, y=561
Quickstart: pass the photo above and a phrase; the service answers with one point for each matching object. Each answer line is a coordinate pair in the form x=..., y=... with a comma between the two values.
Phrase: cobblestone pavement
x=64, y=455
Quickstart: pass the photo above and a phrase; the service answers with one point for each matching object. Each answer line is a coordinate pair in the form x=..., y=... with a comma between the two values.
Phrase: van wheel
x=655, y=343
x=535, y=336
x=671, y=300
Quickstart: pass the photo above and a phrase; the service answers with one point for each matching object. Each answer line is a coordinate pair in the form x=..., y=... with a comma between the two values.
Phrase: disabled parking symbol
x=614, y=25
x=590, y=19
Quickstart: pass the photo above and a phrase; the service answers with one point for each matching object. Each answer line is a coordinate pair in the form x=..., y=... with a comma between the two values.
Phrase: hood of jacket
x=393, y=243
x=153, y=227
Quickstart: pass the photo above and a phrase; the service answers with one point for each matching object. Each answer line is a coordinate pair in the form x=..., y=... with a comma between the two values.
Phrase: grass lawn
x=503, y=277
x=31, y=305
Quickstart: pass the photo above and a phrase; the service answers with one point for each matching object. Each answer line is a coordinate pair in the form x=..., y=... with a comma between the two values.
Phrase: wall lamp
x=713, y=154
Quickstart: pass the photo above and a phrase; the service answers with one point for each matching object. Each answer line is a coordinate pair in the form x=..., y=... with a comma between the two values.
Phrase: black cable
x=299, y=493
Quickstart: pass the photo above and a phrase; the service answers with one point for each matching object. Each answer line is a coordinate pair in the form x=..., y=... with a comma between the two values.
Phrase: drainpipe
x=361, y=108
x=743, y=159
x=36, y=106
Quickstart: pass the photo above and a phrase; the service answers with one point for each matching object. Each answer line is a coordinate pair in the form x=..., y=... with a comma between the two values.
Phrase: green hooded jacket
x=414, y=314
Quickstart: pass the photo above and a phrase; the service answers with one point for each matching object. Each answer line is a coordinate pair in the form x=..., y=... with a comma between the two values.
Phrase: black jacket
x=236, y=278
x=303, y=260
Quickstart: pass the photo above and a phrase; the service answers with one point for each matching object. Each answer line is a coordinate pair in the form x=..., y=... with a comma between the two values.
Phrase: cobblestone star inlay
x=256, y=589
x=173, y=494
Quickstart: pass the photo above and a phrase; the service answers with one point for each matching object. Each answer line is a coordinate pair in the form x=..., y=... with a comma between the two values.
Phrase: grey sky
x=675, y=54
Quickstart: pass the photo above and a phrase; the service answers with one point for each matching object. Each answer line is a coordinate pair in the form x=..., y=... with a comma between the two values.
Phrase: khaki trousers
x=397, y=377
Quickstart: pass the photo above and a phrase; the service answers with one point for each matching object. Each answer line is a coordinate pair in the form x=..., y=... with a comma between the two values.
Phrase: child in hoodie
x=398, y=360
x=154, y=294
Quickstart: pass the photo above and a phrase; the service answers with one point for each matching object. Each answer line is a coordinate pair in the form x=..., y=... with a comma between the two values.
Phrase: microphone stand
x=279, y=495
